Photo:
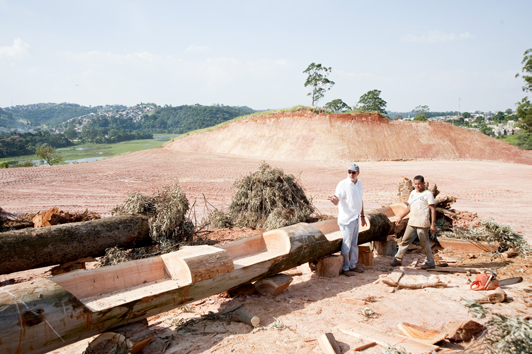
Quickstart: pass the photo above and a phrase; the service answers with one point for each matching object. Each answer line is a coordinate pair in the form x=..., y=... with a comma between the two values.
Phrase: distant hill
x=48, y=114
x=7, y=121
x=147, y=117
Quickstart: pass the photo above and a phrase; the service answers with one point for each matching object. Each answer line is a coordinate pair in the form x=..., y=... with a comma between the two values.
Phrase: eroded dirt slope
x=304, y=135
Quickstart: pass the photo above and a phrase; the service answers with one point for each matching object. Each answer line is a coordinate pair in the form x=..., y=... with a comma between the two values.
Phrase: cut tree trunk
x=46, y=246
x=246, y=317
x=46, y=314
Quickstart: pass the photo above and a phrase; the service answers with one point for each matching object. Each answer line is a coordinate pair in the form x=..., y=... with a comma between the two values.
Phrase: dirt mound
x=304, y=135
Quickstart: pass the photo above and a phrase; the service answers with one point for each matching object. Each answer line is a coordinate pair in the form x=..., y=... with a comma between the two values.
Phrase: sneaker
x=395, y=262
x=428, y=266
x=349, y=273
x=356, y=270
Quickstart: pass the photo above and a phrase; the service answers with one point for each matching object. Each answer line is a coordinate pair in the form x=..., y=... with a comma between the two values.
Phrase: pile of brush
x=167, y=211
x=267, y=198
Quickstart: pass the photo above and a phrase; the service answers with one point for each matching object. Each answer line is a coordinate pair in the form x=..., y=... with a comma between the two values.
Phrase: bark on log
x=46, y=314
x=46, y=246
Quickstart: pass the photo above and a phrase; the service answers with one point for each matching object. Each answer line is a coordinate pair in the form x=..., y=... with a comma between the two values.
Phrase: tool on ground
x=510, y=281
x=485, y=281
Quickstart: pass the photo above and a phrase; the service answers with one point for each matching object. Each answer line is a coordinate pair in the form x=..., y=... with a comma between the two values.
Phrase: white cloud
x=197, y=48
x=17, y=51
x=437, y=37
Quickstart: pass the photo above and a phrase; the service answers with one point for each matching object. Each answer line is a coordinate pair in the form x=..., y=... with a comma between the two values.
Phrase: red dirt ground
x=311, y=305
x=303, y=135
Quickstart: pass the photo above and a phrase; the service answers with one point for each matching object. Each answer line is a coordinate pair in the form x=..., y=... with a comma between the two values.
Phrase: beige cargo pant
x=410, y=235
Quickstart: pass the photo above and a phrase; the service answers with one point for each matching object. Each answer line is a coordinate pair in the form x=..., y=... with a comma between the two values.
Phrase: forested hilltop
x=23, y=128
x=147, y=117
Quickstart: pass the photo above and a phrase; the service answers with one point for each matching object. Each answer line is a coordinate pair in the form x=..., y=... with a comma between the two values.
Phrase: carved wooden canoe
x=46, y=314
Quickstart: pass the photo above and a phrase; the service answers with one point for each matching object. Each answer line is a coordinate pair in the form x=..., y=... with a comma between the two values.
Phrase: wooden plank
x=273, y=285
x=466, y=245
x=367, y=332
x=328, y=344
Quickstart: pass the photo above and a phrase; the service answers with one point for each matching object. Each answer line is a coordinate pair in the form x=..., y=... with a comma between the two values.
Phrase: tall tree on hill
x=337, y=106
x=318, y=81
x=421, y=112
x=371, y=101
x=524, y=108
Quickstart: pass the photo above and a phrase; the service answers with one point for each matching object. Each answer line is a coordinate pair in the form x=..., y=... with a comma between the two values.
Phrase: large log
x=46, y=246
x=46, y=314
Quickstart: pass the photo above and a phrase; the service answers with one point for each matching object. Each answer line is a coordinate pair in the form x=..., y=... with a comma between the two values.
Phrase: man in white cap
x=348, y=197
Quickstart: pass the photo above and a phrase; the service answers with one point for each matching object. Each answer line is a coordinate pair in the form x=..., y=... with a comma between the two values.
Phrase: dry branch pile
x=166, y=210
x=269, y=199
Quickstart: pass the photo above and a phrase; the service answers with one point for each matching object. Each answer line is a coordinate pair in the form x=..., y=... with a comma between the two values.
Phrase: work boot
x=357, y=270
x=395, y=262
x=428, y=266
x=348, y=273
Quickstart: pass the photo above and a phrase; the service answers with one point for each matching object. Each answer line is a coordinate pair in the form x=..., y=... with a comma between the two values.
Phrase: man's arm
x=407, y=210
x=433, y=217
x=333, y=199
x=363, y=216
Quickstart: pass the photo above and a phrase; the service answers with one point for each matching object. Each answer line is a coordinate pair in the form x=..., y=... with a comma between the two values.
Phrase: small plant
x=277, y=325
x=393, y=350
x=4, y=164
x=368, y=312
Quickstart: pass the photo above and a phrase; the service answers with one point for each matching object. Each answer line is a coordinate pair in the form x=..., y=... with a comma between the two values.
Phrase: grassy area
x=82, y=151
x=522, y=140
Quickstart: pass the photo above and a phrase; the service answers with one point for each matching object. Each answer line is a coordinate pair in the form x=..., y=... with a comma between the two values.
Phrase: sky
x=446, y=54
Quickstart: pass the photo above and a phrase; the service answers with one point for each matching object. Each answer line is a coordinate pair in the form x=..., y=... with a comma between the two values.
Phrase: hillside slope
x=303, y=135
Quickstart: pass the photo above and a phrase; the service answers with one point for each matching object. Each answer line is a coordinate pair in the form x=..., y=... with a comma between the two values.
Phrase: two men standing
x=348, y=197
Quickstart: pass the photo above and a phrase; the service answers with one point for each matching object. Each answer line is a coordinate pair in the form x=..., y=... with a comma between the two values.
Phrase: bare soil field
x=491, y=189
x=311, y=305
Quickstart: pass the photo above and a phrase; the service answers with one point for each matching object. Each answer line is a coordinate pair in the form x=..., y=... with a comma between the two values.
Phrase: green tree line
x=17, y=144
x=182, y=119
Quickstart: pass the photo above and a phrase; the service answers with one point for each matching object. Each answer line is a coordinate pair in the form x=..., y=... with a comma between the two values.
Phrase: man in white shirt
x=420, y=202
x=348, y=197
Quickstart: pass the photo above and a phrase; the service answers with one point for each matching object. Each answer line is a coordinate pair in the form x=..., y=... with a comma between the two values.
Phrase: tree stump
x=365, y=255
x=330, y=266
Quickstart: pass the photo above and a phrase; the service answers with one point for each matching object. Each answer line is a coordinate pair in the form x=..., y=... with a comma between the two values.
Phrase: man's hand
x=363, y=221
x=333, y=199
x=398, y=222
x=433, y=228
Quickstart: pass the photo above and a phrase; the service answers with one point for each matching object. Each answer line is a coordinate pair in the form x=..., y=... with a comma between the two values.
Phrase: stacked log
x=47, y=246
